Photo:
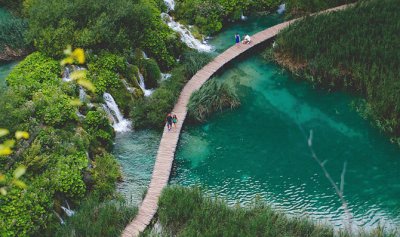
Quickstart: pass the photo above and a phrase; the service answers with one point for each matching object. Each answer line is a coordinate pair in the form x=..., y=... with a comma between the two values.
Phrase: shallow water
x=261, y=149
x=5, y=69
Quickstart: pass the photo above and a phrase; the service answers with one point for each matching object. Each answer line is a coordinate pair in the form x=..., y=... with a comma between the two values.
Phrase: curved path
x=169, y=140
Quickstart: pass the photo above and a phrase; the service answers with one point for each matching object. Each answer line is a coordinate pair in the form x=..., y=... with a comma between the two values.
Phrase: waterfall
x=143, y=86
x=165, y=76
x=170, y=4
x=120, y=124
x=281, y=8
x=68, y=70
x=186, y=35
x=68, y=210
x=145, y=55
x=82, y=95
x=243, y=17
x=129, y=88
x=59, y=217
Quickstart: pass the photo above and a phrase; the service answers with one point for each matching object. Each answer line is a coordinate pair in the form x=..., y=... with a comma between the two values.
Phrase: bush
x=32, y=71
x=106, y=173
x=12, y=32
x=95, y=218
x=114, y=25
x=211, y=97
x=152, y=73
x=99, y=129
x=194, y=61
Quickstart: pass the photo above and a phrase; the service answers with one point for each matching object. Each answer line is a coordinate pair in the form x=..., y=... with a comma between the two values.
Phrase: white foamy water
x=68, y=70
x=281, y=8
x=143, y=86
x=120, y=124
x=170, y=4
x=186, y=36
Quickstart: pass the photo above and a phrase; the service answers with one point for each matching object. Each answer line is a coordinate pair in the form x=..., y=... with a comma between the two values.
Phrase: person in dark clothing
x=237, y=38
x=169, y=121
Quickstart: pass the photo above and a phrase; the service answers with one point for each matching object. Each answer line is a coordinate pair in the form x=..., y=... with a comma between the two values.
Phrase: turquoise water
x=261, y=149
x=136, y=152
x=5, y=69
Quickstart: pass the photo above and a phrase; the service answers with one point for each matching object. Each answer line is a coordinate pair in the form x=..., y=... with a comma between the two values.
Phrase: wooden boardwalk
x=169, y=140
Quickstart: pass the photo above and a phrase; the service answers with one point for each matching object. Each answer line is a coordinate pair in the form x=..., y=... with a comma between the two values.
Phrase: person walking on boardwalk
x=169, y=121
x=237, y=39
x=174, y=120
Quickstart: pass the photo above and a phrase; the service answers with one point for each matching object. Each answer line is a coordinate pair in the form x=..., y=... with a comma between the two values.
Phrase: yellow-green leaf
x=2, y=178
x=21, y=134
x=76, y=102
x=67, y=60
x=80, y=74
x=19, y=171
x=87, y=84
x=79, y=55
x=5, y=151
x=68, y=50
x=3, y=132
x=9, y=143
x=3, y=191
x=19, y=184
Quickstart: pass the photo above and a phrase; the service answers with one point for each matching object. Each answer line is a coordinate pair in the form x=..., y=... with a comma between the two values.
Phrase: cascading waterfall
x=165, y=76
x=281, y=8
x=170, y=4
x=68, y=210
x=120, y=124
x=186, y=36
x=143, y=86
x=68, y=70
x=129, y=88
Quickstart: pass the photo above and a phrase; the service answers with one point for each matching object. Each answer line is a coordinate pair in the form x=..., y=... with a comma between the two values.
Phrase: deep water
x=261, y=148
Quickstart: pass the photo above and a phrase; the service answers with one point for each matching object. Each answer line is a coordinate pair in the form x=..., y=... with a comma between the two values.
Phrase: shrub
x=106, y=173
x=95, y=218
x=152, y=73
x=211, y=97
x=12, y=32
x=193, y=61
x=99, y=129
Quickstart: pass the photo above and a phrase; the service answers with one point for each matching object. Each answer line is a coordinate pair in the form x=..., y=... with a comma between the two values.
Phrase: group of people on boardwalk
x=171, y=119
x=246, y=40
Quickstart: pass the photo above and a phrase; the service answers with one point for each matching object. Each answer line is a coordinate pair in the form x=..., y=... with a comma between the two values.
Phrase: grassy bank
x=188, y=212
x=356, y=50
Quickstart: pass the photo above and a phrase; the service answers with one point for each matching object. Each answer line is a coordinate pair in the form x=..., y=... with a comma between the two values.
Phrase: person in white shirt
x=247, y=39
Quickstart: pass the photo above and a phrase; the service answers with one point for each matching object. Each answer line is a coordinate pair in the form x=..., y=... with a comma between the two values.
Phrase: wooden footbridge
x=169, y=140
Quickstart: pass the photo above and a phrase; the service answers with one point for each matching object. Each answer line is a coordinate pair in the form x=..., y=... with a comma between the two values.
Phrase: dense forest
x=355, y=50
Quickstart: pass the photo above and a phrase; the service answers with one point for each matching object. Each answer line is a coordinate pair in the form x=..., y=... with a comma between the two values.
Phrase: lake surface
x=261, y=148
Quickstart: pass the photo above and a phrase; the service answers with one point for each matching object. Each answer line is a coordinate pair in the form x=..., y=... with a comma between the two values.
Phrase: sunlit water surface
x=261, y=148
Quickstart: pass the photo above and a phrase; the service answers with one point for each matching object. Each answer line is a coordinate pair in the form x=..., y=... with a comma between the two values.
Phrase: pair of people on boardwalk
x=171, y=119
x=246, y=40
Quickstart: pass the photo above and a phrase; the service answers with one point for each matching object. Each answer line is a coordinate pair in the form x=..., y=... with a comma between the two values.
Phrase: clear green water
x=136, y=152
x=5, y=69
x=261, y=149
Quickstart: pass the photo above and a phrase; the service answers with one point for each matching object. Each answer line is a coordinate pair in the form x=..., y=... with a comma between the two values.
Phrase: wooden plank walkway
x=169, y=140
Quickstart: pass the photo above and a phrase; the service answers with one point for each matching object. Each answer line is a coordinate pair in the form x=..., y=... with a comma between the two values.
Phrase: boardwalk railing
x=169, y=140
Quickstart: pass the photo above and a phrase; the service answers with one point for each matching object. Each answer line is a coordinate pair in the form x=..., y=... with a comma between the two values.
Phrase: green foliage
x=152, y=73
x=151, y=112
x=32, y=71
x=297, y=8
x=116, y=25
x=106, y=173
x=67, y=175
x=23, y=212
x=210, y=15
x=99, y=129
x=95, y=218
x=12, y=31
x=187, y=212
x=194, y=61
x=353, y=49
x=211, y=97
